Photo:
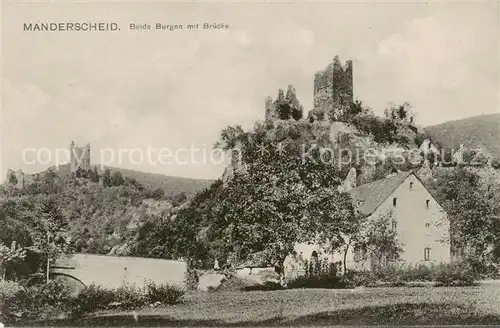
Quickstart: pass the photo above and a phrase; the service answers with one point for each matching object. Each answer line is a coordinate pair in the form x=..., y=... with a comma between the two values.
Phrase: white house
x=421, y=223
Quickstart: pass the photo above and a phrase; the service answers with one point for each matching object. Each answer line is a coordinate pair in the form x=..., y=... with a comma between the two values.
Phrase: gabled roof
x=372, y=194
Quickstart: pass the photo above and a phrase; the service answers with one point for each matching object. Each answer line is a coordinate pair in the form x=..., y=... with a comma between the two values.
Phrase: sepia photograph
x=249, y=163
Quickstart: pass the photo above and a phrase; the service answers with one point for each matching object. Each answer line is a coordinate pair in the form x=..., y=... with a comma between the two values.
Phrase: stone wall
x=113, y=271
x=80, y=157
x=333, y=89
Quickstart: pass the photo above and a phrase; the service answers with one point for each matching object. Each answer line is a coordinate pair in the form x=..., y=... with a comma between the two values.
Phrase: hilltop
x=171, y=185
x=483, y=129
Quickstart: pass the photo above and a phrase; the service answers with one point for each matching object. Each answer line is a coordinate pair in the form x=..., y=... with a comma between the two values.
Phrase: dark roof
x=372, y=194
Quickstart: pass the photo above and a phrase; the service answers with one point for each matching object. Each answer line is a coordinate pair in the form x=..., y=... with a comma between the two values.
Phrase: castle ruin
x=333, y=94
x=333, y=90
x=80, y=157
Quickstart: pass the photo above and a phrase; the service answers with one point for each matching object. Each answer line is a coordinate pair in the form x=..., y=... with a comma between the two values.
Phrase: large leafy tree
x=283, y=197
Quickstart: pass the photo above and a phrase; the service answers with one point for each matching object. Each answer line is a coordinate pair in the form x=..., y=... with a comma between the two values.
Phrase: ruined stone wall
x=80, y=157
x=333, y=89
x=271, y=113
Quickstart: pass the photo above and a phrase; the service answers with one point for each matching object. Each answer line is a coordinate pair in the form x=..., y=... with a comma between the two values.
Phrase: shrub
x=92, y=298
x=37, y=301
x=163, y=293
x=266, y=286
x=454, y=274
x=317, y=281
x=128, y=296
x=8, y=292
x=397, y=275
x=8, y=289
x=326, y=278
x=192, y=278
x=353, y=279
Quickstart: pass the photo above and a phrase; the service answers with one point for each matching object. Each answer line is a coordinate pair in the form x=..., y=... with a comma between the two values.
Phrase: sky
x=154, y=89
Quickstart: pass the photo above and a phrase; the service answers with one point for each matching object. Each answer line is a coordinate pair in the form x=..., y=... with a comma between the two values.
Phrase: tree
x=179, y=198
x=281, y=199
x=50, y=237
x=94, y=175
x=378, y=238
x=400, y=113
x=474, y=219
x=230, y=138
x=10, y=255
x=117, y=179
x=158, y=194
x=106, y=178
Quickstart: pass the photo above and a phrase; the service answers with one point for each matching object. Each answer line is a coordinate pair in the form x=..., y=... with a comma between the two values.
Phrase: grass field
x=317, y=307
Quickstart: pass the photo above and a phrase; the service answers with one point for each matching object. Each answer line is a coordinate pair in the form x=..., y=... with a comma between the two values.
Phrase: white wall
x=412, y=215
x=113, y=271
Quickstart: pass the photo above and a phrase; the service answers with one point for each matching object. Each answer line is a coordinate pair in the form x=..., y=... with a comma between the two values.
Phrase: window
x=394, y=201
x=394, y=225
x=427, y=203
x=427, y=254
x=411, y=185
x=427, y=225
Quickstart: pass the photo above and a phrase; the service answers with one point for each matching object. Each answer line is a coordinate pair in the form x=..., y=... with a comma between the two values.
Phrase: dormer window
x=427, y=203
x=427, y=225
x=394, y=201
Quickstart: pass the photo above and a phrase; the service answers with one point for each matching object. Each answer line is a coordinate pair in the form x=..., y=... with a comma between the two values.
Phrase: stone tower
x=16, y=179
x=333, y=90
x=80, y=157
x=271, y=114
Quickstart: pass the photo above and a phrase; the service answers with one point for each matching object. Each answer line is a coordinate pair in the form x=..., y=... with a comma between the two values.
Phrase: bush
x=92, y=298
x=322, y=280
x=382, y=130
x=128, y=296
x=454, y=274
x=37, y=301
x=353, y=279
x=266, y=286
x=399, y=274
x=163, y=293
x=8, y=289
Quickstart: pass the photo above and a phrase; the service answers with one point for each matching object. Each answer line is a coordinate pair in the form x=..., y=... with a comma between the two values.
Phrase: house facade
x=421, y=224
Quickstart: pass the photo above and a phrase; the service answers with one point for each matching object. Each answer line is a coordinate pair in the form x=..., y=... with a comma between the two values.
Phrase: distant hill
x=484, y=129
x=171, y=185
